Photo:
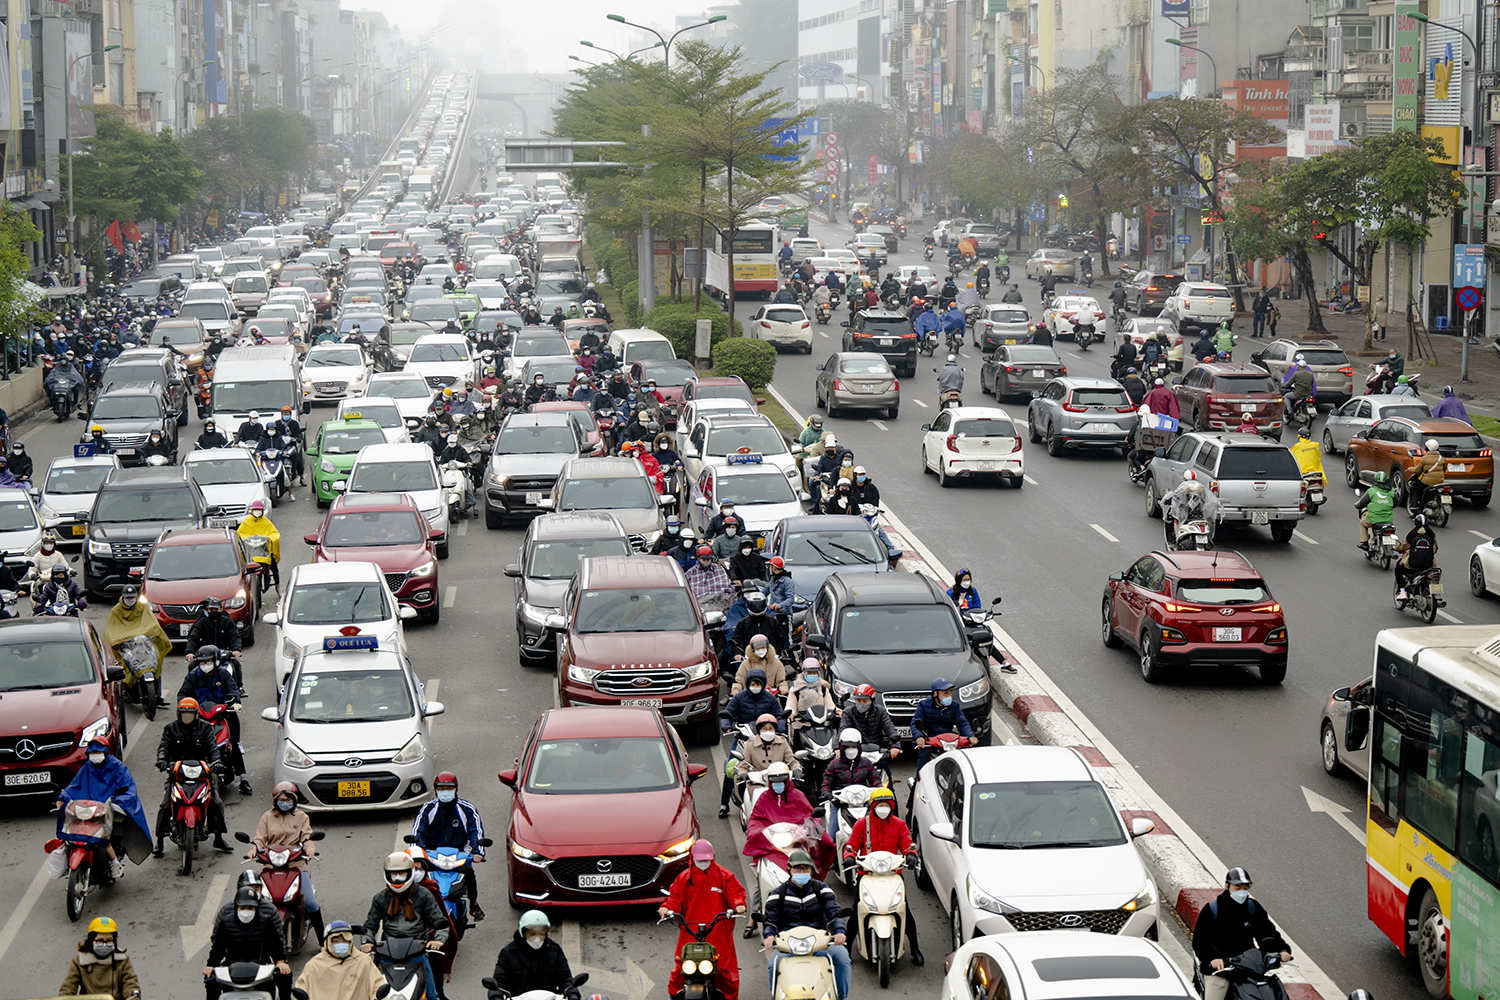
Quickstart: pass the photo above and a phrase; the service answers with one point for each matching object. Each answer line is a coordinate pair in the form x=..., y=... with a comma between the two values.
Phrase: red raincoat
x=890, y=834
x=792, y=807
x=698, y=897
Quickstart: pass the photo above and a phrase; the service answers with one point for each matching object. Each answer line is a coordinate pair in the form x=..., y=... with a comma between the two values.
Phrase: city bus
x=755, y=271
x=1431, y=861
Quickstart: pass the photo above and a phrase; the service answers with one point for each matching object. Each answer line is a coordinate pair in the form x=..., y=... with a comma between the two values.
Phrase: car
x=1011, y=838
x=297, y=297
x=350, y=597
x=1054, y=261
x=1325, y=359
x=68, y=491
x=1076, y=412
x=814, y=545
x=1255, y=480
x=557, y=371
x=131, y=509
x=393, y=345
x=886, y=332
x=1195, y=609
x=603, y=760
x=565, y=290
x=969, y=442
x=152, y=364
x=1059, y=316
x=317, y=290
x=1363, y=412
x=1344, y=727
x=187, y=336
x=231, y=480
x=782, y=325
x=631, y=633
x=20, y=525
x=615, y=485
x=1148, y=291
x=857, y=381
x=671, y=378
x=1062, y=965
x=1002, y=323
x=921, y=272
x=491, y=294
x=869, y=248
x=383, y=411
x=762, y=496
x=708, y=388
x=468, y=306
x=189, y=565
x=1218, y=395
x=897, y=633
x=986, y=237
x=730, y=438
x=1396, y=443
x=409, y=469
x=804, y=247
x=331, y=454
x=386, y=529
x=550, y=553
x=534, y=342
x=583, y=418
x=409, y=391
x=1194, y=305
x=1019, y=370
x=287, y=312
x=59, y=689
x=1139, y=330
x=142, y=289
x=436, y=312
x=352, y=729
x=530, y=451
x=371, y=322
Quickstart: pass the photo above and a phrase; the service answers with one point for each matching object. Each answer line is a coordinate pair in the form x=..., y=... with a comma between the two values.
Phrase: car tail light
x=765, y=324
x=1187, y=303
x=895, y=385
x=1009, y=369
x=1017, y=446
x=952, y=442
x=1485, y=453
x=1074, y=409
x=1274, y=608
x=1172, y=635
x=806, y=324
x=838, y=386
x=1124, y=409
x=1064, y=370
x=1178, y=609
x=1347, y=371
x=1152, y=288
x=1213, y=487
x=1276, y=637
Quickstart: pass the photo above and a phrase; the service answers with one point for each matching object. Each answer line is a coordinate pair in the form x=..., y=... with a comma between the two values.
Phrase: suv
x=885, y=332
x=1255, y=481
x=152, y=364
x=55, y=675
x=1215, y=396
x=635, y=636
x=129, y=412
x=1079, y=412
x=530, y=450
x=1396, y=443
x=189, y=564
x=550, y=553
x=986, y=238
x=388, y=530
x=1330, y=366
x=898, y=632
x=133, y=507
x=618, y=486
x=1149, y=290
x=1198, y=305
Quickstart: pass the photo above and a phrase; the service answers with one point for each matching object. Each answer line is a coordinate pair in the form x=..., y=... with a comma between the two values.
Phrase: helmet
x=212, y=604
x=1303, y=433
x=246, y=896
x=1143, y=410
x=97, y=429
x=952, y=359
x=250, y=877
x=816, y=420
x=1430, y=444
x=1379, y=477
x=1119, y=284
x=702, y=850
x=1447, y=391
x=688, y=534
x=851, y=737
x=755, y=602
x=776, y=769
x=1189, y=476
x=1421, y=520
x=103, y=925
x=398, y=871
x=284, y=788
x=865, y=691
x=882, y=794
x=1237, y=876
x=1360, y=995
x=416, y=853
x=1299, y=359
x=534, y=918
x=187, y=705
x=446, y=779
x=777, y=562
x=704, y=550
x=763, y=718
x=758, y=639
x=59, y=572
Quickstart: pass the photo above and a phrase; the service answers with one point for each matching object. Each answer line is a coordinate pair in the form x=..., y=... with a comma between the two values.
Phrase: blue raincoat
x=99, y=783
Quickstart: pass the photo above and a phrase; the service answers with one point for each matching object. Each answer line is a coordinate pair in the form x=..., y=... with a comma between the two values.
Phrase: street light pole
x=1185, y=45
x=68, y=112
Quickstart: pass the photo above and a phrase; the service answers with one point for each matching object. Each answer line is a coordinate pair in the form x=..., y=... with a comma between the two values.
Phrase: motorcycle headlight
x=236, y=602
x=689, y=967
x=100, y=548
x=292, y=756
x=328, y=467
x=981, y=900
x=977, y=691
x=98, y=730
x=290, y=649
x=801, y=945
x=582, y=675
x=698, y=671
x=414, y=751
x=677, y=850
x=1144, y=898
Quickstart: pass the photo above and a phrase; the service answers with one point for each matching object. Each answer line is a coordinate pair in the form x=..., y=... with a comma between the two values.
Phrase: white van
x=631, y=346
x=263, y=379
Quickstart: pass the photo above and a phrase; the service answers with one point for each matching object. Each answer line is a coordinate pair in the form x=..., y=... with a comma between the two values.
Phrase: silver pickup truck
x=1254, y=481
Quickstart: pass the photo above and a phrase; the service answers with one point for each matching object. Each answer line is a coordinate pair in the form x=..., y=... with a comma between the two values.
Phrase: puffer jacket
x=843, y=772
x=88, y=973
x=520, y=967
x=746, y=707
x=770, y=665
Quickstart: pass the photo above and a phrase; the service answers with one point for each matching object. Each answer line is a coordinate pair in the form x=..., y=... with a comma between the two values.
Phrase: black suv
x=898, y=632
x=153, y=364
x=887, y=333
x=1148, y=291
x=133, y=507
x=129, y=412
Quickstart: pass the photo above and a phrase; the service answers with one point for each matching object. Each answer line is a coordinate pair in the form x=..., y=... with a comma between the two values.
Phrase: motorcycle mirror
x=299, y=994
x=580, y=979
x=242, y=836
x=489, y=983
x=409, y=839
x=385, y=991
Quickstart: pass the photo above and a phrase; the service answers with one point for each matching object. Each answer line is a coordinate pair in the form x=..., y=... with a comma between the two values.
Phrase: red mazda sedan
x=1195, y=609
x=577, y=766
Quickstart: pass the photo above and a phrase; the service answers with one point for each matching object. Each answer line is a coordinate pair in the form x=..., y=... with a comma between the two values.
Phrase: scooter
x=142, y=663
x=927, y=251
x=62, y=606
x=853, y=804
x=450, y=869
x=822, y=311
x=815, y=742
x=1424, y=594
x=1083, y=336
x=1194, y=534
x=801, y=971
x=771, y=870
x=191, y=783
x=247, y=980
x=496, y=993
x=1383, y=541
x=928, y=345
x=880, y=917
x=1301, y=412
x=1251, y=976
x=458, y=489
x=950, y=398
x=404, y=975
x=698, y=959
x=1316, y=497
x=86, y=830
x=283, y=884
x=1439, y=505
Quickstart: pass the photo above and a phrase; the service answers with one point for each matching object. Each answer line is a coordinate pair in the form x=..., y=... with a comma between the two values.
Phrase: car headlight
x=977, y=691
x=582, y=675
x=496, y=479
x=677, y=850
x=527, y=855
x=698, y=671
x=307, y=385
x=290, y=649
x=99, y=730
x=359, y=378
x=433, y=514
x=981, y=900
x=651, y=537
x=535, y=614
x=99, y=548
x=328, y=467
x=46, y=511
x=414, y=751
x=1143, y=899
x=237, y=601
x=292, y=756
x=426, y=569
x=842, y=689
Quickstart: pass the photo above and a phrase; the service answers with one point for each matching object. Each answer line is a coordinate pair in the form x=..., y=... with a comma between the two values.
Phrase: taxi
x=331, y=455
x=468, y=307
x=1059, y=317
x=762, y=495
x=352, y=728
x=350, y=596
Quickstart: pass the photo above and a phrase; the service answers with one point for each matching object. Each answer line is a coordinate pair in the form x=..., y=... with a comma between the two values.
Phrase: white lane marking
x=822, y=334
x=1106, y=534
x=1076, y=355
x=450, y=594
x=1335, y=811
x=1029, y=480
x=1479, y=534
x=920, y=403
x=463, y=528
x=880, y=424
x=1444, y=614
x=1299, y=534
x=195, y=936
x=23, y=910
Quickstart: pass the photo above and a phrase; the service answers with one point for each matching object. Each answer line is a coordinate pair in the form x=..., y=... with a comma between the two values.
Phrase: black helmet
x=212, y=604
x=1237, y=876
x=755, y=602
x=246, y=895
x=59, y=572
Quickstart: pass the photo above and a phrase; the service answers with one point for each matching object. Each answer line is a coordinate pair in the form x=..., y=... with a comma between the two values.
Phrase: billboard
x=1445, y=84
x=1266, y=98
x=76, y=49
x=1407, y=68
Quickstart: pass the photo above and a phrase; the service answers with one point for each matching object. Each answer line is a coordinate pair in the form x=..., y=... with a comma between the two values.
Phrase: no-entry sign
x=1468, y=298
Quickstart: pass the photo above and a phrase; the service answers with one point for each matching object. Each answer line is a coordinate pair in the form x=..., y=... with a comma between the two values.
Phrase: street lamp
x=68, y=111
x=627, y=56
x=586, y=62
x=190, y=69
x=666, y=43
x=1184, y=45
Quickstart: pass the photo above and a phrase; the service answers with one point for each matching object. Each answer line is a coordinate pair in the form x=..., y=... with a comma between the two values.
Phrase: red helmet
x=864, y=691
x=445, y=779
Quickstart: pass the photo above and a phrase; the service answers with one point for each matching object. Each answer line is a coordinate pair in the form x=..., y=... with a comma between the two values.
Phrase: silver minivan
x=617, y=486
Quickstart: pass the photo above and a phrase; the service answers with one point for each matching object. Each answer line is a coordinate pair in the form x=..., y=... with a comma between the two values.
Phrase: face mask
x=1240, y=895
x=535, y=941
x=758, y=650
x=104, y=949
x=757, y=688
x=186, y=719
x=767, y=735
x=848, y=465
x=964, y=585
x=96, y=758
x=207, y=668
x=884, y=812
x=862, y=704
x=946, y=701
x=801, y=878
x=447, y=795
x=811, y=676
x=130, y=602
x=731, y=531
x=850, y=753
x=746, y=550
x=702, y=866
x=282, y=805
x=244, y=916
x=673, y=529
x=340, y=949
x=779, y=787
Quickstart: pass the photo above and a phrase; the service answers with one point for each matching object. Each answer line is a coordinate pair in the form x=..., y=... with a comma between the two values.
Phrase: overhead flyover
x=534, y=95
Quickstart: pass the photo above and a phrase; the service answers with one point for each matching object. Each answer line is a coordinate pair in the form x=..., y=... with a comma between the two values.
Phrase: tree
x=990, y=174
x=251, y=153
x=19, y=298
x=124, y=173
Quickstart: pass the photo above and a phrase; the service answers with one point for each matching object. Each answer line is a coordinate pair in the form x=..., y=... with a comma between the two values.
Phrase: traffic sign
x=830, y=138
x=1184, y=239
x=1468, y=265
x=1468, y=298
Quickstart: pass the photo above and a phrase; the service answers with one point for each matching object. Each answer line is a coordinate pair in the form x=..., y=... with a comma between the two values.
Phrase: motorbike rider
x=1450, y=407
x=1125, y=355
x=1377, y=507
x=292, y=428
x=709, y=582
x=963, y=593
x=1188, y=502
x=848, y=768
x=155, y=445
x=1418, y=552
x=768, y=747
x=982, y=278
x=21, y=465
x=247, y=934
x=939, y=714
x=1307, y=453
x=285, y=824
x=211, y=683
x=951, y=377
x=810, y=688
x=1162, y=400
x=534, y=961
x=1117, y=296
x=1299, y=383
x=1403, y=387
x=257, y=524
x=340, y=971
x=1204, y=348
x=99, y=441
x=1224, y=338
x=1395, y=367
x=748, y=566
x=405, y=913
x=881, y=829
x=873, y=722
x=1085, y=321
x=431, y=433
x=60, y=584
x=698, y=894
x=927, y=324
x=103, y=777
x=669, y=537
x=685, y=552
x=100, y=967
x=1134, y=387
x=1231, y=924
x=449, y=821
x=803, y=901
x=250, y=431
x=212, y=437
x=1429, y=471
x=759, y=655
x=127, y=619
x=47, y=556
x=188, y=737
x=537, y=391
x=1012, y=295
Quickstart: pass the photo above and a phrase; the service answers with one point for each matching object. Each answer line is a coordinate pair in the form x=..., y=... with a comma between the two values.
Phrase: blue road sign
x=1468, y=265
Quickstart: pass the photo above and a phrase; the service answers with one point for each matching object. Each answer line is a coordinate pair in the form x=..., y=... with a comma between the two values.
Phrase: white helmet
x=1189, y=476
x=1431, y=444
x=1143, y=411
x=952, y=358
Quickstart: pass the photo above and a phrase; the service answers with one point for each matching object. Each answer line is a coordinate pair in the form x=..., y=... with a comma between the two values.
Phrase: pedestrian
x=1260, y=308
x=1275, y=317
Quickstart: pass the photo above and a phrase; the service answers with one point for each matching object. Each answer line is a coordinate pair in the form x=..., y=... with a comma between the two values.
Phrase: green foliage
x=752, y=360
x=1070, y=128
x=19, y=301
x=992, y=175
x=252, y=153
x=679, y=323
x=126, y=174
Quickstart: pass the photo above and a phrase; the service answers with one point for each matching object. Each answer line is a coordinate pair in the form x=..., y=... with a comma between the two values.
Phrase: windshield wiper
x=1057, y=843
x=42, y=687
x=999, y=845
x=926, y=650
x=826, y=557
x=856, y=554
x=866, y=652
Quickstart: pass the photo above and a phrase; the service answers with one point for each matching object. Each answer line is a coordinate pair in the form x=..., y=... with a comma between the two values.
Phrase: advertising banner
x=1407, y=68
x=80, y=70
x=1445, y=84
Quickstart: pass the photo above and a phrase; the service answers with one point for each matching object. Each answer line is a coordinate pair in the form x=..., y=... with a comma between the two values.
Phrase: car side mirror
x=845, y=324
x=927, y=427
x=1116, y=577
x=1159, y=452
x=434, y=535
x=340, y=485
x=507, y=778
x=271, y=617
x=943, y=831
x=1140, y=826
x=406, y=613
x=513, y=570
x=113, y=673
x=433, y=708
x=311, y=539
x=269, y=714
x=819, y=642
x=545, y=502
x=713, y=619
x=696, y=771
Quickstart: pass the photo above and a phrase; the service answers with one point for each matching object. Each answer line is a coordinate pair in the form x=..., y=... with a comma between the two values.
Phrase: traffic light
x=1062, y=201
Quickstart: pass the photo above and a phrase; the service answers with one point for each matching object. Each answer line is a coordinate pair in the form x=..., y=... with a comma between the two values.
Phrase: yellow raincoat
x=1308, y=455
x=125, y=623
x=252, y=526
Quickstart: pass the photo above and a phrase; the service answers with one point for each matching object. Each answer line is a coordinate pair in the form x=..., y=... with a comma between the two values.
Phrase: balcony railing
x=1367, y=61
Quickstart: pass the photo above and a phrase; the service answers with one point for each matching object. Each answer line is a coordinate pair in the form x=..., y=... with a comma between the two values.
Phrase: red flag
x=132, y=233
x=113, y=232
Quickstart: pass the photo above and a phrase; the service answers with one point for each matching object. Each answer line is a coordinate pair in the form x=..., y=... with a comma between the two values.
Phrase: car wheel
x=1432, y=945
x=1476, y=577
x=1281, y=531
x=1017, y=482
x=1151, y=668
x=944, y=480
x=704, y=732
x=1272, y=674
x=1351, y=470
x=430, y=616
x=1031, y=429
x=1198, y=422
x=956, y=926
x=442, y=549
x=818, y=398
x=1328, y=445
x=984, y=387
x=1480, y=500
x=1054, y=443
x=182, y=418
x=924, y=880
x=1153, y=508
x=926, y=469
x=892, y=412
x=493, y=519
x=1398, y=486
x=1329, y=742
x=1107, y=625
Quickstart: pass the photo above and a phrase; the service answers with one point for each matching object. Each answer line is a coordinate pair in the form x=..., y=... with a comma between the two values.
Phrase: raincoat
x=699, y=897
x=99, y=783
x=252, y=526
x=126, y=623
x=328, y=977
x=789, y=807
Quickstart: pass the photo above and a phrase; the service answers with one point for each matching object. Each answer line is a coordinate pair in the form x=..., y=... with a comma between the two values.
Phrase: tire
x=893, y=412
x=249, y=639
x=883, y=960
x=1312, y=509
x=1031, y=429
x=985, y=390
x=1273, y=675
x=1199, y=424
x=187, y=836
x=704, y=732
x=1444, y=511
x=1018, y=481
x=1054, y=444
x=1481, y=500
x=1430, y=610
x=1431, y=952
x=818, y=398
x=1281, y=531
x=944, y=480
x=1329, y=742
x=150, y=691
x=1385, y=559
x=431, y=615
x=1107, y=627
x=442, y=549
x=833, y=411
x=955, y=926
x=1351, y=471
x=1152, y=671
x=493, y=519
x=290, y=938
x=1476, y=577
x=182, y=418
x=1398, y=485
x=78, y=888
x=1153, y=508
x=1328, y=446
x=923, y=878
x=925, y=470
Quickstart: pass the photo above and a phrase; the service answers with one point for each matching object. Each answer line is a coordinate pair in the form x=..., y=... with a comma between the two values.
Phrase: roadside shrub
x=678, y=323
x=752, y=360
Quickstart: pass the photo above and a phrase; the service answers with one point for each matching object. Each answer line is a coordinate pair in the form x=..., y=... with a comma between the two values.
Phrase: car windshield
x=16, y=515
x=600, y=766
x=71, y=481
x=31, y=666
x=337, y=604
x=767, y=488
x=864, y=365
x=551, y=371
x=409, y=334
x=348, y=440
x=1414, y=411
x=204, y=309
x=1021, y=815
x=1009, y=316
x=759, y=438
x=786, y=314
x=250, y=283
x=559, y=560
x=984, y=427
x=1329, y=358
x=400, y=388
x=1258, y=463
x=439, y=353
x=622, y=493
x=659, y=350
x=1032, y=355
x=212, y=560
x=466, y=303
x=434, y=309
x=667, y=377
x=531, y=347
x=219, y=471
x=126, y=506
x=1210, y=290
x=921, y=628
x=1100, y=397
x=832, y=548
x=1150, y=328
x=333, y=357
x=656, y=609
x=313, y=286
x=1222, y=591
x=546, y=440
x=384, y=414
x=133, y=407
x=392, y=477
x=352, y=696
x=1243, y=385
x=242, y=397
x=367, y=322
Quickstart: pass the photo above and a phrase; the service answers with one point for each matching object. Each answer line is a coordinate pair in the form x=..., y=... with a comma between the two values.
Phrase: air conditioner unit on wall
x=1352, y=130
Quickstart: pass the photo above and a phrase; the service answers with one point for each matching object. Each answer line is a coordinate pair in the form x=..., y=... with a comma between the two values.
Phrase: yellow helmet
x=878, y=794
x=97, y=427
x=103, y=925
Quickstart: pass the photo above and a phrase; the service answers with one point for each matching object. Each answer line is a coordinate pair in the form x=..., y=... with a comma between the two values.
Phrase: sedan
x=965, y=442
x=68, y=493
x=1045, y=964
x=1363, y=412
x=761, y=495
x=1016, y=838
x=1001, y=323
x=1138, y=330
x=614, y=761
x=1021, y=370
x=1059, y=318
x=1344, y=730
x=408, y=391
x=1050, y=260
x=857, y=381
x=869, y=248
x=352, y=729
x=815, y=545
x=335, y=371
x=784, y=325
x=331, y=454
x=385, y=529
x=348, y=597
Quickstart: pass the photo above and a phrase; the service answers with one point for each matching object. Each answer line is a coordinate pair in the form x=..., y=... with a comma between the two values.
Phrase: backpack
x=1421, y=552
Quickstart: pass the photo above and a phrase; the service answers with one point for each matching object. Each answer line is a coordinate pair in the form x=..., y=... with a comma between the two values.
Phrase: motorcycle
x=191, y=783
x=458, y=489
x=142, y=663
x=955, y=341
x=801, y=971
x=1049, y=296
x=973, y=315
x=1383, y=542
x=822, y=311
x=1301, y=412
x=247, y=980
x=61, y=393
x=1250, y=976
x=1375, y=382
x=283, y=885
x=9, y=599
x=275, y=471
x=62, y=606
x=976, y=628
x=698, y=958
x=1083, y=336
x=928, y=345
x=815, y=742
x=450, y=869
x=982, y=286
x=880, y=917
x=949, y=398
x=1439, y=505
x=1194, y=534
x=1424, y=594
x=1119, y=317
x=771, y=869
x=405, y=977
x=496, y=993
x=1316, y=497
x=927, y=251
x=86, y=830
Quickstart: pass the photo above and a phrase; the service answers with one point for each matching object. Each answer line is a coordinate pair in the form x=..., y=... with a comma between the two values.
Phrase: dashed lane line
x=880, y=424
x=1305, y=538
x=1450, y=618
x=450, y=594
x=1106, y=534
x=920, y=403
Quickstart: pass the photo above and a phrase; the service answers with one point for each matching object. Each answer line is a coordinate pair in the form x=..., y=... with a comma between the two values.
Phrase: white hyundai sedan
x=349, y=598
x=1063, y=965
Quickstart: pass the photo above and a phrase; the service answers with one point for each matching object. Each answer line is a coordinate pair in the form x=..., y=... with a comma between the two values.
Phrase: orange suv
x=1394, y=444
x=1215, y=396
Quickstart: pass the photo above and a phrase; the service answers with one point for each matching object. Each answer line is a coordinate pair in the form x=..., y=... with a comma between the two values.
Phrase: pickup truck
x=1252, y=480
x=1198, y=305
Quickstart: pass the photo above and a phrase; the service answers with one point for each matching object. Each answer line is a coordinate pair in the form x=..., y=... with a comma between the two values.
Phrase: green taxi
x=332, y=455
x=469, y=306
